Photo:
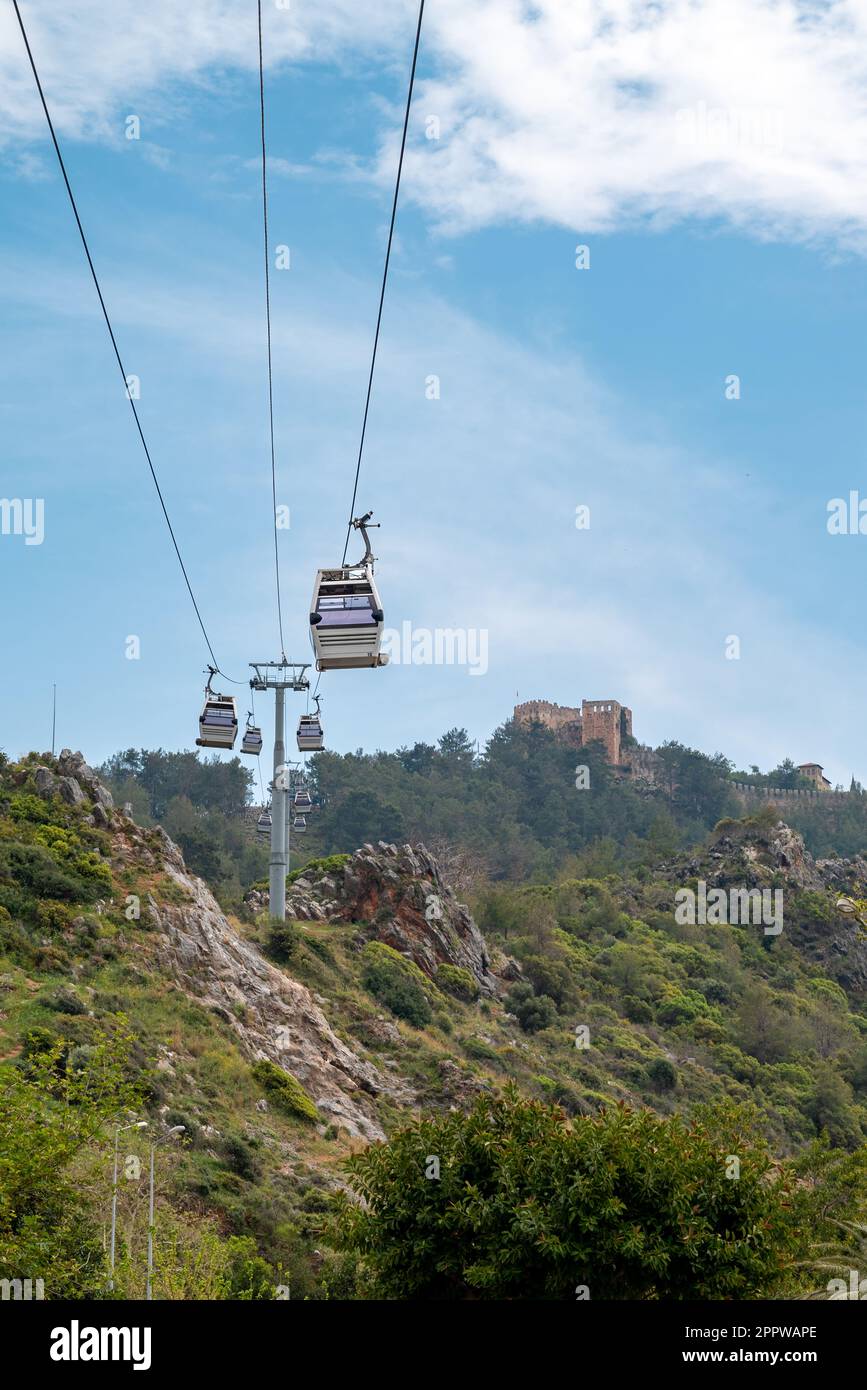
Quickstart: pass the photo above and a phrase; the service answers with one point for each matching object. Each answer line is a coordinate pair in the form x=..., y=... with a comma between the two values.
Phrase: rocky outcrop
x=272, y=1015
x=70, y=791
x=73, y=765
x=75, y=781
x=400, y=897
x=753, y=855
x=46, y=782
x=749, y=854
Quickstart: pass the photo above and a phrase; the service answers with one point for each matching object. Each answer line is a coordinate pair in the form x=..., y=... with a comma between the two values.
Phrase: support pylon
x=275, y=675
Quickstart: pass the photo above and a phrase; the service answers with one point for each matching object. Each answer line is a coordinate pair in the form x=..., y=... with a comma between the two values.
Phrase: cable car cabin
x=346, y=619
x=310, y=736
x=263, y=824
x=302, y=802
x=218, y=722
x=252, y=741
x=299, y=823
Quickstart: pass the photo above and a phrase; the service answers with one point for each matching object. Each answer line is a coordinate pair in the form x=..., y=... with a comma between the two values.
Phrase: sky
x=695, y=376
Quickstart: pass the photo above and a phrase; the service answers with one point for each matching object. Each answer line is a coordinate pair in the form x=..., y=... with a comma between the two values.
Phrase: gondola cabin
x=218, y=722
x=302, y=802
x=299, y=824
x=310, y=735
x=346, y=619
x=252, y=741
x=263, y=824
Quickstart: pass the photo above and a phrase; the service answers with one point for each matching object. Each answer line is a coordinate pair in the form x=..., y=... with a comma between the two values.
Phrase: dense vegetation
x=645, y=1052
x=511, y=1202
x=511, y=812
x=515, y=811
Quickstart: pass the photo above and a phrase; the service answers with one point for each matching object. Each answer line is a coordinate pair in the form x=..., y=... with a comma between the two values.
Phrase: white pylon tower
x=279, y=676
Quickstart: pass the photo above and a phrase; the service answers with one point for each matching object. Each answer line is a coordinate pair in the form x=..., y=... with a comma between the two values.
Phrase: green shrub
x=52, y=917
x=533, y=1011
x=455, y=980
x=80, y=1058
x=661, y=1074
x=481, y=1051
x=65, y=1001
x=37, y=1041
x=715, y=991
x=708, y=1030
x=35, y=871
x=240, y=1156
x=328, y=865
x=26, y=806
x=284, y=1091
x=741, y=1066
x=320, y=948
x=94, y=872
x=682, y=1008
x=637, y=1010
x=282, y=939
x=397, y=983
x=56, y=1126
x=551, y=975
x=249, y=1277
x=561, y=1093
x=536, y=1014
x=528, y=1206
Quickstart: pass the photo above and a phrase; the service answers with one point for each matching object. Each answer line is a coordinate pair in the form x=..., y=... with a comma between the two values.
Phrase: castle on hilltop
x=611, y=723
x=606, y=720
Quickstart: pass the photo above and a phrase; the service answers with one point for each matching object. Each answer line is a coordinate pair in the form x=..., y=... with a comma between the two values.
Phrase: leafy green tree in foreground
x=54, y=1109
x=529, y=1206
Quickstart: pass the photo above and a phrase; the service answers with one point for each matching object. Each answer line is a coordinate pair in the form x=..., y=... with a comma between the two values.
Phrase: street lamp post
x=149, y=1293
x=135, y=1124
x=175, y=1129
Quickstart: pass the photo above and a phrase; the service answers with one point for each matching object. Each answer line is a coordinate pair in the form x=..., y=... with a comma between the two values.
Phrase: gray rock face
x=73, y=765
x=70, y=791
x=776, y=855
x=46, y=782
x=278, y=1018
x=400, y=895
x=102, y=796
x=752, y=859
x=75, y=774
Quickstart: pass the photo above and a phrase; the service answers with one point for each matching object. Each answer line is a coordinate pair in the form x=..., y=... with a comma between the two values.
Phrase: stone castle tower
x=606, y=720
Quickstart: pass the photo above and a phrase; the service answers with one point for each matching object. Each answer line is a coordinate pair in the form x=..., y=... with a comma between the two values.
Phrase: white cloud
x=590, y=115
x=593, y=115
x=98, y=56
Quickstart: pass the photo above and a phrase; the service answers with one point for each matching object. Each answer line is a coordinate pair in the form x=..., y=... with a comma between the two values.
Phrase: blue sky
x=733, y=252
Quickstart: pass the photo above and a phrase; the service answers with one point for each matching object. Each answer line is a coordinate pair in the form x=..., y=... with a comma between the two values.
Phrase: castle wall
x=608, y=721
x=611, y=723
x=561, y=719
x=751, y=795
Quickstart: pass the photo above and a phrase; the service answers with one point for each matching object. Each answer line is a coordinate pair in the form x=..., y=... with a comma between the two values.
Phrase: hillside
x=283, y=1049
